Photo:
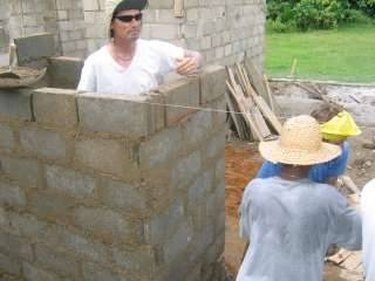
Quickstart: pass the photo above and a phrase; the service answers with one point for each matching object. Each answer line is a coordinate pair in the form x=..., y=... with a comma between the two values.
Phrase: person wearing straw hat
x=368, y=229
x=128, y=64
x=290, y=220
x=336, y=126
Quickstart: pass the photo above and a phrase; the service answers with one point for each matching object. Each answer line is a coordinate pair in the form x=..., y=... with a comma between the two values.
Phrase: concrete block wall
x=224, y=31
x=108, y=187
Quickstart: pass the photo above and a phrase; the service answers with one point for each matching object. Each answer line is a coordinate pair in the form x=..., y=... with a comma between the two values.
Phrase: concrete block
x=51, y=206
x=64, y=265
x=108, y=156
x=9, y=265
x=120, y=195
x=64, y=72
x=199, y=190
x=181, y=98
x=186, y=170
x=161, y=148
x=43, y=143
x=160, y=228
x=161, y=4
x=95, y=272
x=25, y=171
x=80, y=246
x=69, y=181
x=136, y=260
x=212, y=83
x=196, y=129
x=216, y=145
x=178, y=243
x=15, y=247
x=6, y=137
x=26, y=226
x=12, y=195
x=35, y=47
x=16, y=104
x=32, y=273
x=119, y=114
x=105, y=224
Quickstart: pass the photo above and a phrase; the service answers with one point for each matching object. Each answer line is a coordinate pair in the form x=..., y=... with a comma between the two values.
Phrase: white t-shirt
x=368, y=229
x=152, y=60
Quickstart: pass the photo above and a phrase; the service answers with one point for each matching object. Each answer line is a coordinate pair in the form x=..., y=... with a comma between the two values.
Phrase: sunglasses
x=129, y=18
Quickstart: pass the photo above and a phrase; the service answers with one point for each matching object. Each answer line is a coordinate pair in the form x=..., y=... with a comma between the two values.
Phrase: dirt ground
x=242, y=163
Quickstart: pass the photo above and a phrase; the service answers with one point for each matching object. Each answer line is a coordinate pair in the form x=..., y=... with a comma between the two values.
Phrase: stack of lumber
x=253, y=110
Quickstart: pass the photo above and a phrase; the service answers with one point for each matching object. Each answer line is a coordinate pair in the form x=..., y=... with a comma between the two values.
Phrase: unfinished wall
x=101, y=187
x=223, y=30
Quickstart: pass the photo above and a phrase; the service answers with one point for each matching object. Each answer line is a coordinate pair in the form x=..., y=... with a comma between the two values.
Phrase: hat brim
x=273, y=152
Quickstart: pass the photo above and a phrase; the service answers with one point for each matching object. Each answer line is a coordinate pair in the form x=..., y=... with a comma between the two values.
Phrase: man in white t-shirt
x=128, y=64
x=368, y=229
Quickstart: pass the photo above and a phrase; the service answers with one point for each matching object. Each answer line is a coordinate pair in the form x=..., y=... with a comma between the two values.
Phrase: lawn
x=346, y=54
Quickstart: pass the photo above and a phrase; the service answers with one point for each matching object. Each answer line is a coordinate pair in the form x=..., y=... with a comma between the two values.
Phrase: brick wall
x=224, y=31
x=101, y=187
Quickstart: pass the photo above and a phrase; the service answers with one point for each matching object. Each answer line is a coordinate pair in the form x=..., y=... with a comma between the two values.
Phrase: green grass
x=346, y=54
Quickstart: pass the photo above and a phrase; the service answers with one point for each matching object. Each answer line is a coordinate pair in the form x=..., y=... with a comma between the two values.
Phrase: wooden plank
x=348, y=182
x=256, y=79
x=268, y=114
x=234, y=116
x=246, y=114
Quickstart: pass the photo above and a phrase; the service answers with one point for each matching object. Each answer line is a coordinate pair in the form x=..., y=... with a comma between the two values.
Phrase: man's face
x=127, y=25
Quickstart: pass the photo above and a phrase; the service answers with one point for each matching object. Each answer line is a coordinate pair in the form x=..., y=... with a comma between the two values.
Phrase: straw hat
x=300, y=143
x=111, y=5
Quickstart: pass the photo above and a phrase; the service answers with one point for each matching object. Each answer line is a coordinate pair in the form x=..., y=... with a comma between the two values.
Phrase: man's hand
x=187, y=66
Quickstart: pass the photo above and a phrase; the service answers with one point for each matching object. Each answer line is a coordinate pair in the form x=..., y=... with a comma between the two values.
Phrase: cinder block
x=107, y=225
x=16, y=104
x=26, y=226
x=9, y=265
x=197, y=129
x=64, y=72
x=179, y=242
x=108, y=156
x=161, y=148
x=51, y=206
x=185, y=170
x=181, y=98
x=15, y=247
x=25, y=171
x=12, y=195
x=69, y=181
x=33, y=273
x=136, y=260
x=52, y=260
x=35, y=47
x=44, y=143
x=120, y=195
x=55, y=107
x=160, y=227
x=6, y=137
x=95, y=272
x=212, y=83
x=78, y=245
x=120, y=114
x=161, y=4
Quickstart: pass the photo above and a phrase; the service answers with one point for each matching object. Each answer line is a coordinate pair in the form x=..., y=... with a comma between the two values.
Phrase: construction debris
x=251, y=104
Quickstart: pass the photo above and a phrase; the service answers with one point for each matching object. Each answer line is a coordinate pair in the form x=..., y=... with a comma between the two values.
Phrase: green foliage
x=319, y=14
x=288, y=15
